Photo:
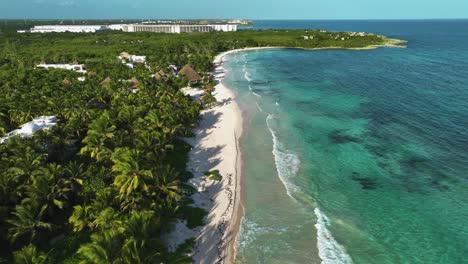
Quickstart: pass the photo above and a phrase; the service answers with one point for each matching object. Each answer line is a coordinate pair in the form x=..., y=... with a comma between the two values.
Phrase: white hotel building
x=178, y=28
x=68, y=28
x=131, y=28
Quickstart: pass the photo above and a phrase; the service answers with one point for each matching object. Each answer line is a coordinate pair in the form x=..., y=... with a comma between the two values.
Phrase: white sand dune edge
x=215, y=147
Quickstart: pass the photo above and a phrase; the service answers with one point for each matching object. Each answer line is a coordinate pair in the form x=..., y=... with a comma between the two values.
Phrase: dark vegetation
x=109, y=179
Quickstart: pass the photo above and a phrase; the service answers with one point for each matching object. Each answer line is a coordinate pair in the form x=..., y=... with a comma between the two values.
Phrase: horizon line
x=250, y=19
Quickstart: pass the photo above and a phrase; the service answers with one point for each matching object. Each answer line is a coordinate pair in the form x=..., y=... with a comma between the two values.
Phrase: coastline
x=391, y=43
x=216, y=147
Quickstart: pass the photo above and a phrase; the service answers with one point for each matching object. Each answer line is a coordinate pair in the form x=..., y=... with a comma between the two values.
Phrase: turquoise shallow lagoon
x=356, y=156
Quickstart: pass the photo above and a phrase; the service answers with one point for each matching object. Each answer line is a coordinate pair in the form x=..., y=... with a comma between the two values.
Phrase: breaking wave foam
x=287, y=163
x=251, y=230
x=330, y=251
x=259, y=108
x=248, y=76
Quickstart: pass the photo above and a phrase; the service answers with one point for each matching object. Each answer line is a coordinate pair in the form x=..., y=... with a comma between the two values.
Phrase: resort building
x=28, y=129
x=67, y=28
x=72, y=67
x=167, y=28
x=178, y=28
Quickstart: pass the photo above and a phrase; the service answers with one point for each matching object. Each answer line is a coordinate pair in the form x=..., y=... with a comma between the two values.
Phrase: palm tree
x=142, y=244
x=130, y=175
x=25, y=165
x=95, y=145
x=108, y=219
x=29, y=255
x=74, y=172
x=49, y=188
x=104, y=249
x=167, y=182
x=100, y=131
x=80, y=217
x=27, y=222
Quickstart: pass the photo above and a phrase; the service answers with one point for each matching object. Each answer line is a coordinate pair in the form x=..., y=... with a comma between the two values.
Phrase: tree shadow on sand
x=213, y=237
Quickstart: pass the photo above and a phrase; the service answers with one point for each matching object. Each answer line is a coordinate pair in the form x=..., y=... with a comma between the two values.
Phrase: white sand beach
x=215, y=147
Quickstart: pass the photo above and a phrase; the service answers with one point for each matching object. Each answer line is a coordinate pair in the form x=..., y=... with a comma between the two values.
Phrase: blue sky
x=248, y=9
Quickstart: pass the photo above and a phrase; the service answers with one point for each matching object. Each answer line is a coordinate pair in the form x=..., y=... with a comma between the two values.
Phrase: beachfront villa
x=128, y=59
x=178, y=28
x=72, y=67
x=131, y=58
x=28, y=129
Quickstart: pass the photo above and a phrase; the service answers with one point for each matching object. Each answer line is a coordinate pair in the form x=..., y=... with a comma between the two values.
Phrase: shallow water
x=356, y=156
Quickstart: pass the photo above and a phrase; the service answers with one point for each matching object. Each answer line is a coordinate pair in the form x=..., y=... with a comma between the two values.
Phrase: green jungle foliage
x=104, y=184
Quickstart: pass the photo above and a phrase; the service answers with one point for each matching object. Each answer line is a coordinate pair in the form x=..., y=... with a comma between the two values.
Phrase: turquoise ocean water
x=356, y=156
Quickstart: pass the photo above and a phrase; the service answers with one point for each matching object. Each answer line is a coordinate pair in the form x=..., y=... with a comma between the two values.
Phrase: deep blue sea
x=356, y=156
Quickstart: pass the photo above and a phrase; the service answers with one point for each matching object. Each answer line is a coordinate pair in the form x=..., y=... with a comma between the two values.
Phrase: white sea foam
x=248, y=76
x=250, y=87
x=276, y=103
x=330, y=251
x=256, y=94
x=287, y=163
x=259, y=108
x=251, y=230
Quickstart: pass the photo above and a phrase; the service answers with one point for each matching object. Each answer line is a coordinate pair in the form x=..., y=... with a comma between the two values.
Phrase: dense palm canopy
x=108, y=175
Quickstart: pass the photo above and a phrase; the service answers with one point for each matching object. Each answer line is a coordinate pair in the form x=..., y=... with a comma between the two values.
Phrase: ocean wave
x=287, y=163
x=248, y=76
x=259, y=108
x=256, y=94
x=330, y=251
x=250, y=87
x=251, y=230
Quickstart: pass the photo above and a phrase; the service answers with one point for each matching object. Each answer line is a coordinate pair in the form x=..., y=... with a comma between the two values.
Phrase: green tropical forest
x=105, y=183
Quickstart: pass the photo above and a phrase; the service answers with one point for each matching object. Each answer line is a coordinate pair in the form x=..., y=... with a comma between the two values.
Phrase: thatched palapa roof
x=66, y=82
x=160, y=75
x=134, y=82
x=105, y=81
x=157, y=76
x=190, y=73
x=125, y=55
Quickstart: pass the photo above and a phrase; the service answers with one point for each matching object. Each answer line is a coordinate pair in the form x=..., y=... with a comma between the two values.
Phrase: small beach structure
x=134, y=82
x=67, y=82
x=138, y=59
x=190, y=73
x=106, y=81
x=124, y=55
x=72, y=67
x=28, y=129
x=157, y=76
x=174, y=67
x=160, y=75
